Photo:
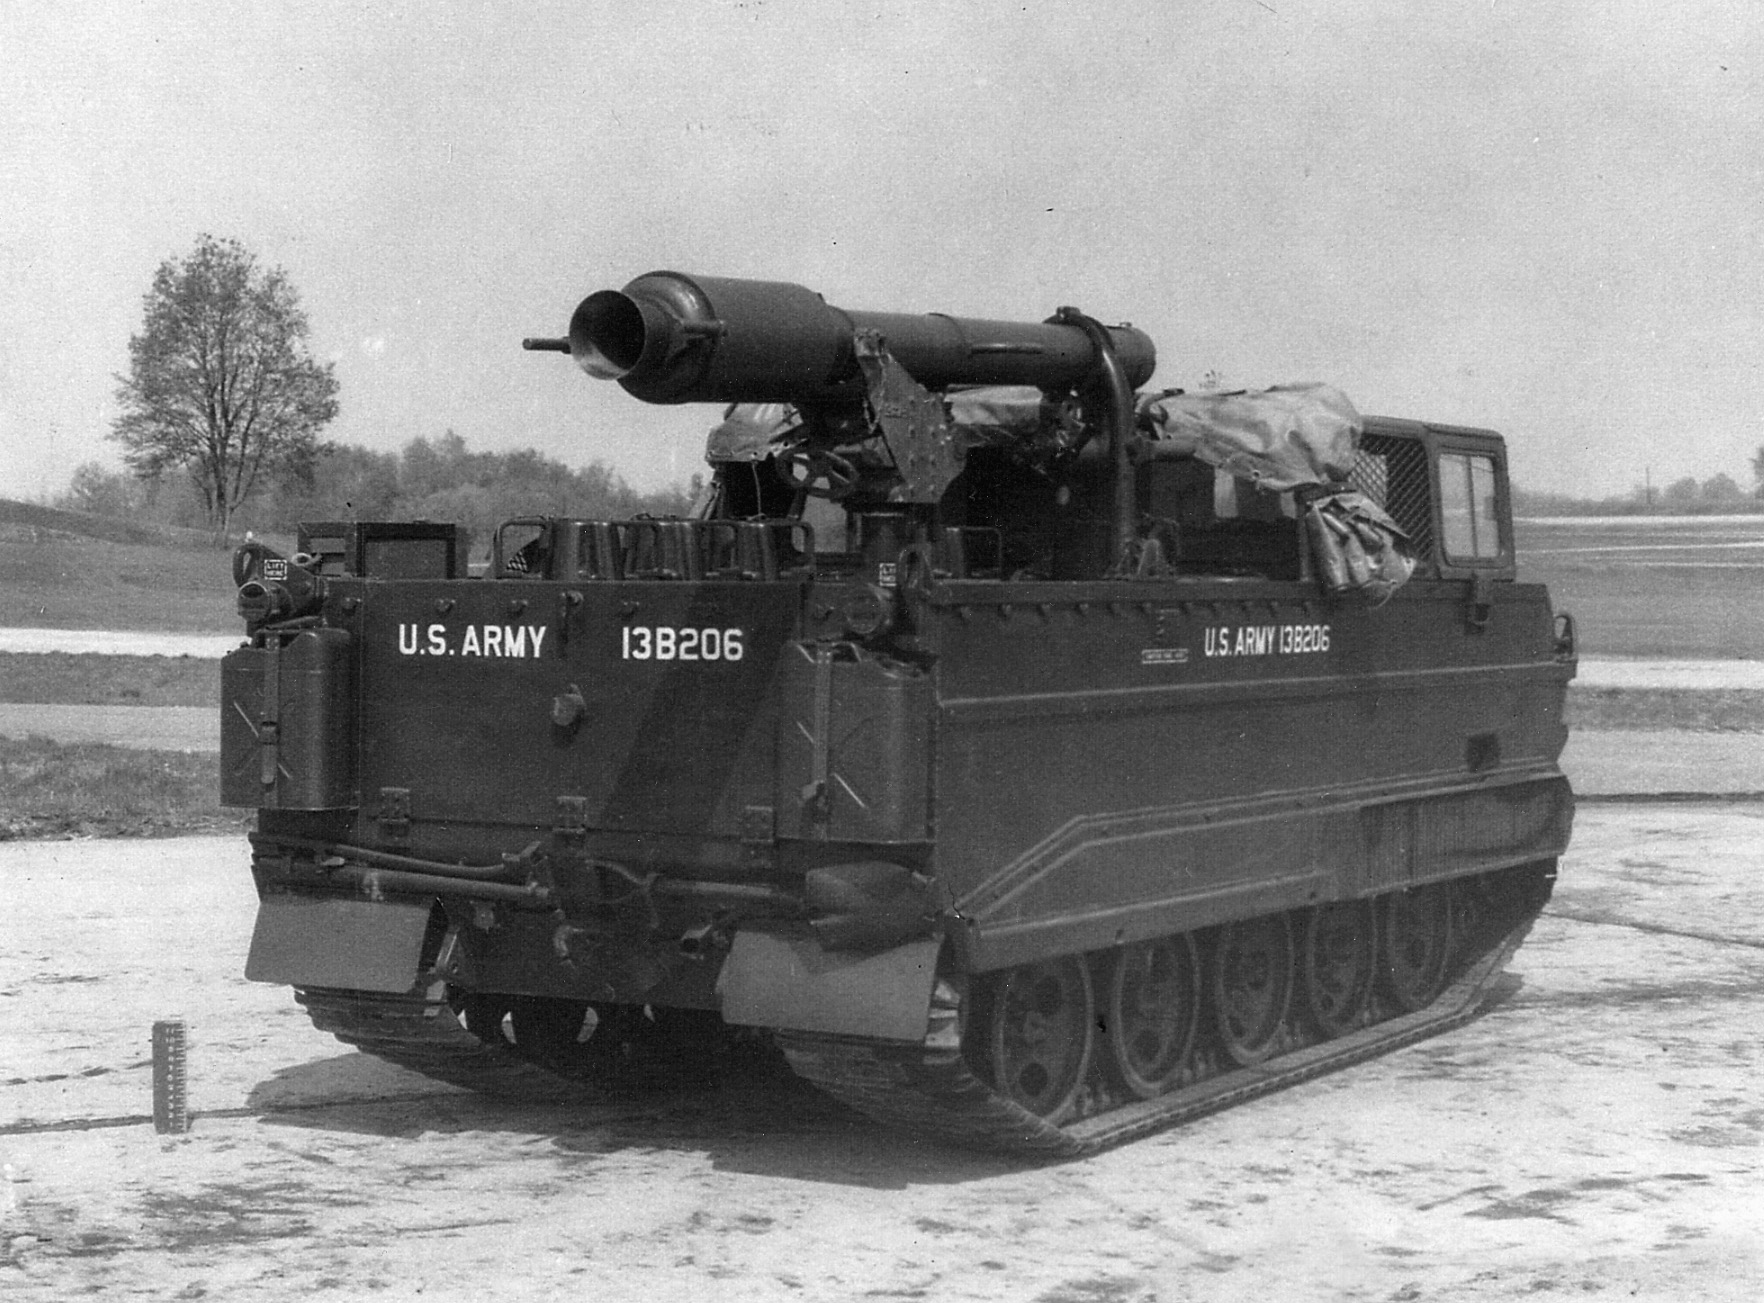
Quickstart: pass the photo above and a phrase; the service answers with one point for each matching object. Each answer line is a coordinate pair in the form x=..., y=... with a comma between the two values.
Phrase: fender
x=790, y=983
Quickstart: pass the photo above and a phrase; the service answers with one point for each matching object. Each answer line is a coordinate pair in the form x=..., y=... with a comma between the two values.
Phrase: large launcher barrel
x=668, y=337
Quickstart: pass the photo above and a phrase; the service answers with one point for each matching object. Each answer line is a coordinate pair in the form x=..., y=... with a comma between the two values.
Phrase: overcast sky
x=1539, y=217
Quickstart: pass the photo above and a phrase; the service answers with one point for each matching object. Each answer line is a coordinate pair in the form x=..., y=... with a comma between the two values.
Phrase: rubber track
x=936, y=1094
x=425, y=1036
x=931, y=1093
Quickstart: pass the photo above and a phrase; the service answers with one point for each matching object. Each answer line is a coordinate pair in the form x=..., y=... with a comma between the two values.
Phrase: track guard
x=355, y=945
x=790, y=983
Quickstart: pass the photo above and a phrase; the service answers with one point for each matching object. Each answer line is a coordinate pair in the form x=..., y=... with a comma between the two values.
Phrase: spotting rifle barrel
x=669, y=337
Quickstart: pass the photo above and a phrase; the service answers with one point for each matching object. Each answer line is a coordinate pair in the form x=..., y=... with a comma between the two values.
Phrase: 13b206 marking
x=661, y=642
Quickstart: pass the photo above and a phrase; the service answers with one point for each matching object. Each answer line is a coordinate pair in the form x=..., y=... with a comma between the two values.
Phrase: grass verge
x=53, y=789
x=62, y=678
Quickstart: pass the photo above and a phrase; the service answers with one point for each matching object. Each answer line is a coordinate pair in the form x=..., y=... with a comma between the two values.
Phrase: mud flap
x=354, y=945
x=792, y=984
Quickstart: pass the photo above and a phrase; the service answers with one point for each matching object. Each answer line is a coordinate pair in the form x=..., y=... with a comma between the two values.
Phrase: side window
x=1467, y=507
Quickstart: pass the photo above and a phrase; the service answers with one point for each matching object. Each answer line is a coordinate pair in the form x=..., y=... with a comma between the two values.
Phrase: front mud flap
x=354, y=945
x=790, y=983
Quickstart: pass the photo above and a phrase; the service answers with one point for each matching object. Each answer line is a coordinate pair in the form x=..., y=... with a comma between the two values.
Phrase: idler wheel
x=1340, y=960
x=1253, y=964
x=1416, y=945
x=1153, y=1011
x=1040, y=1035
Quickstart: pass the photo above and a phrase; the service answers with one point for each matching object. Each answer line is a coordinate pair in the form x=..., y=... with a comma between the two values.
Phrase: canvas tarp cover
x=1294, y=437
x=1289, y=437
x=1282, y=438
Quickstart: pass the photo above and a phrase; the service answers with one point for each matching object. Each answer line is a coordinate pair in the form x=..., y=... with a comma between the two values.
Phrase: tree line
x=1719, y=495
x=222, y=407
x=428, y=479
x=221, y=411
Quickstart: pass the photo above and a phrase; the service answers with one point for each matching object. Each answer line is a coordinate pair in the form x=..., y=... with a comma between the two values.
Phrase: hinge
x=1479, y=602
x=395, y=814
x=758, y=825
x=570, y=826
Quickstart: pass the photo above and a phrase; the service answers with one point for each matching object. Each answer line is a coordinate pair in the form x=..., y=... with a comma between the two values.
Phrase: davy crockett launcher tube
x=668, y=337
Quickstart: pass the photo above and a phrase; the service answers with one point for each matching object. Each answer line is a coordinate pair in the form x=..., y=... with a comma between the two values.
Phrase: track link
x=424, y=1035
x=935, y=1093
x=927, y=1091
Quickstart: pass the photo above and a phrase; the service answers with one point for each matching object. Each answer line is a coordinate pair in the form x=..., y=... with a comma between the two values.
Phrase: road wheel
x=1253, y=964
x=1416, y=945
x=1041, y=1033
x=1340, y=957
x=1153, y=1011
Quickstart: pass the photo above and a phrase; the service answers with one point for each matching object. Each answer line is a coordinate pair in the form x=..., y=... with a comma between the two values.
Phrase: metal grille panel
x=1393, y=473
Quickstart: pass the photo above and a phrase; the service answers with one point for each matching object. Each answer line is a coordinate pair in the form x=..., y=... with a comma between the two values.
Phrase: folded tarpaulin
x=1280, y=438
x=1356, y=546
x=1293, y=437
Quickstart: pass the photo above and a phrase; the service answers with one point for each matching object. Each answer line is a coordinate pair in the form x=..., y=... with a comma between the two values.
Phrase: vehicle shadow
x=756, y=1118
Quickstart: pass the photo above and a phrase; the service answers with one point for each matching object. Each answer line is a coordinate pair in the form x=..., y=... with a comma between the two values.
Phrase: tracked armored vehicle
x=1036, y=759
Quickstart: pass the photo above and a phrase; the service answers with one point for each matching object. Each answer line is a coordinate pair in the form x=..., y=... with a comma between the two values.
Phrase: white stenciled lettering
x=638, y=642
x=516, y=641
x=1265, y=640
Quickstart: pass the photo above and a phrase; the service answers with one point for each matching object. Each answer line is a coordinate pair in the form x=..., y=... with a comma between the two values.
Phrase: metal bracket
x=927, y=452
x=758, y=825
x=816, y=805
x=269, y=729
x=1479, y=602
x=395, y=814
x=570, y=825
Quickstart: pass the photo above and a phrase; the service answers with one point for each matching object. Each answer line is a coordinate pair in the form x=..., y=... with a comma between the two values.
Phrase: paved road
x=1594, y=1135
x=1659, y=762
x=113, y=642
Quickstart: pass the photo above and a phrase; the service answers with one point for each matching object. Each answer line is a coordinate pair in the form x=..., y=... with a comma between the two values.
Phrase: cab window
x=1467, y=507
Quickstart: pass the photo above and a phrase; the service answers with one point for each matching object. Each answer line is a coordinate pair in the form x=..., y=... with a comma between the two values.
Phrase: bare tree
x=220, y=384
